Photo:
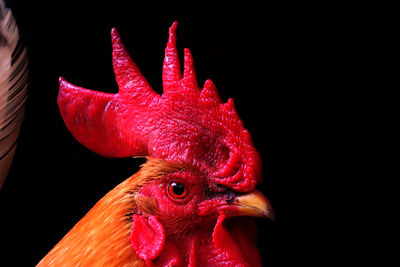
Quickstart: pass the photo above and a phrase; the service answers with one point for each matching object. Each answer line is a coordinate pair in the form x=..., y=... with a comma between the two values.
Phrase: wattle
x=232, y=243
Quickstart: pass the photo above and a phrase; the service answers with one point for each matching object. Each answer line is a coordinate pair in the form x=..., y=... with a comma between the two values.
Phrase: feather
x=101, y=238
x=13, y=87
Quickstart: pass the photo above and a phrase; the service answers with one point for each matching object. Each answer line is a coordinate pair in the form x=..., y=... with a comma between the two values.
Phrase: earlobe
x=147, y=237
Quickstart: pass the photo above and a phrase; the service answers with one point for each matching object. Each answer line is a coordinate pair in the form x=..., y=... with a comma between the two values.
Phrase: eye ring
x=177, y=190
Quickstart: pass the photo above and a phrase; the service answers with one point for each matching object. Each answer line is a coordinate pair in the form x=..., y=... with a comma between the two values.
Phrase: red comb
x=184, y=124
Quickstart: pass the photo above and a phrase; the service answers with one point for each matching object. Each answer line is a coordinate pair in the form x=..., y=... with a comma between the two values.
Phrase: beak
x=253, y=204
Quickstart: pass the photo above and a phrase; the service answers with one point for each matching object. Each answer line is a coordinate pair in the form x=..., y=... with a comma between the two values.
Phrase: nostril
x=229, y=200
x=225, y=190
x=220, y=188
x=216, y=189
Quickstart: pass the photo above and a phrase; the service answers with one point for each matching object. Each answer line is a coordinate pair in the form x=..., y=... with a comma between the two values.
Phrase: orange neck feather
x=101, y=238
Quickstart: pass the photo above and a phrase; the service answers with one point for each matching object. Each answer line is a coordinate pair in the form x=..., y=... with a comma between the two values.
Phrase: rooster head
x=199, y=190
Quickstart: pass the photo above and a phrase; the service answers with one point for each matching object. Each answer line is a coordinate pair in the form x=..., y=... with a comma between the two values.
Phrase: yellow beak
x=253, y=204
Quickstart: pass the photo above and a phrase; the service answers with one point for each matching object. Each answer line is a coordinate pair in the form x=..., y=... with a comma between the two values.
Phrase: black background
x=258, y=55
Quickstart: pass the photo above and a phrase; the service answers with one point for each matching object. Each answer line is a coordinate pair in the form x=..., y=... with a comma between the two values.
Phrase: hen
x=191, y=203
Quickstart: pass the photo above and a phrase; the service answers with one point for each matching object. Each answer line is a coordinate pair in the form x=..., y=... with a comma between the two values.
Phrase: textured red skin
x=237, y=241
x=232, y=245
x=195, y=236
x=147, y=237
x=225, y=245
x=184, y=124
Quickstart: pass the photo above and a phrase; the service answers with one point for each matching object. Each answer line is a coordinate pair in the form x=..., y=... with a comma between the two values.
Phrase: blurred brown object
x=13, y=87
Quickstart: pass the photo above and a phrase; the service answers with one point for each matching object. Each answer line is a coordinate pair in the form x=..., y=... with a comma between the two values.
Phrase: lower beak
x=253, y=204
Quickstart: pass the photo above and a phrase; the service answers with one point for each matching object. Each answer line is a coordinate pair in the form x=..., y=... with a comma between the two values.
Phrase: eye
x=177, y=190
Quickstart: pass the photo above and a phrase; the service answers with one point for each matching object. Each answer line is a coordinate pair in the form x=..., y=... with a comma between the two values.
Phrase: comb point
x=171, y=67
x=172, y=32
x=61, y=80
x=209, y=94
x=189, y=73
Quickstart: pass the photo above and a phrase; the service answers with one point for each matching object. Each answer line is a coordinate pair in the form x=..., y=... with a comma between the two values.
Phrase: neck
x=101, y=237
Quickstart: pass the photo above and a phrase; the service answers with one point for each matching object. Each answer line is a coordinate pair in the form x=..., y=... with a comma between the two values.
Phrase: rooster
x=192, y=201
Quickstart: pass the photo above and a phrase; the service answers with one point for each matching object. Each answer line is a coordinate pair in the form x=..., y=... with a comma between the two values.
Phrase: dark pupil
x=178, y=189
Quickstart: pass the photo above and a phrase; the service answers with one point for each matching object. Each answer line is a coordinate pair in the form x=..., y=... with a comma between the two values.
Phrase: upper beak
x=254, y=204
